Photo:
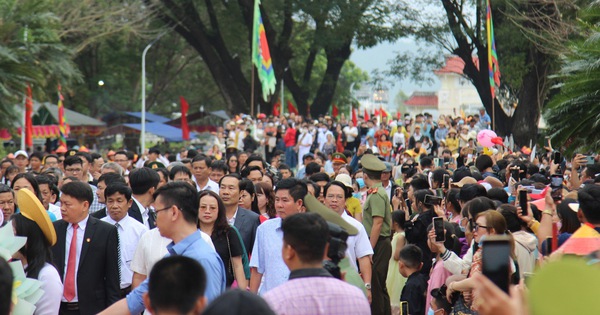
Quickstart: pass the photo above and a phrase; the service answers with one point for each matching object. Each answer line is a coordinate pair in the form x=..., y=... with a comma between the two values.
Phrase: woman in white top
x=37, y=261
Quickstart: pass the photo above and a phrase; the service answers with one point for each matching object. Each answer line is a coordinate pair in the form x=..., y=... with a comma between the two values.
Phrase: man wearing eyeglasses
x=176, y=216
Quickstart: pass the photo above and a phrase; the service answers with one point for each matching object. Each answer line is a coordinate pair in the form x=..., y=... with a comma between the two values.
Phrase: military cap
x=372, y=163
x=154, y=165
x=313, y=205
x=339, y=157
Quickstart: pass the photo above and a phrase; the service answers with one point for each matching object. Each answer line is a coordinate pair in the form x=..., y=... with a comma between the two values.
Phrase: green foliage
x=30, y=52
x=573, y=115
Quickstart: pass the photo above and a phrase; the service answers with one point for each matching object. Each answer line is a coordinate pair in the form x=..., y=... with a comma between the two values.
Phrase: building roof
x=424, y=99
x=73, y=118
x=149, y=117
x=455, y=64
x=170, y=133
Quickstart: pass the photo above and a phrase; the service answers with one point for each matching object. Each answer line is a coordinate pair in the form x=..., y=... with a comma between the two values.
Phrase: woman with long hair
x=213, y=221
x=233, y=165
x=265, y=199
x=248, y=196
x=36, y=256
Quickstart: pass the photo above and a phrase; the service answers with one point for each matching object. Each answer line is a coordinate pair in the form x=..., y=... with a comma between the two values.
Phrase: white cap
x=21, y=152
x=344, y=179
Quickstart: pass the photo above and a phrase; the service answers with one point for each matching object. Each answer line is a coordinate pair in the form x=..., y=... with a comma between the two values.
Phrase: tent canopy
x=149, y=117
x=170, y=133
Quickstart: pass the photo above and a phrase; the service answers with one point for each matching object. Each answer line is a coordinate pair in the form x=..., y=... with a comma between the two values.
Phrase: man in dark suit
x=103, y=182
x=86, y=254
x=244, y=220
x=143, y=182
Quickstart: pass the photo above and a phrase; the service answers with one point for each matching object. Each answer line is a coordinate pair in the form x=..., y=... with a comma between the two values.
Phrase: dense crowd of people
x=284, y=215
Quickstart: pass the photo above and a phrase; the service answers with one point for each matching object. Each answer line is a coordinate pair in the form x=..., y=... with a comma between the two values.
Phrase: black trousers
x=380, y=304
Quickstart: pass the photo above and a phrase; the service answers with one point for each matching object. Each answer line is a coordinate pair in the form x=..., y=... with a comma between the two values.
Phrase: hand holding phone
x=496, y=260
x=523, y=201
x=438, y=226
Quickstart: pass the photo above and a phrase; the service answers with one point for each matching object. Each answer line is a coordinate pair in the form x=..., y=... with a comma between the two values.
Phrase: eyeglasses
x=163, y=209
x=477, y=226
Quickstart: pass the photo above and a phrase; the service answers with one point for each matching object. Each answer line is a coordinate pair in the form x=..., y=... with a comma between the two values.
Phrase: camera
x=337, y=249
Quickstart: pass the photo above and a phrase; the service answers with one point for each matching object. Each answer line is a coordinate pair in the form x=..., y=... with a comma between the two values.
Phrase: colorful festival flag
x=493, y=66
x=62, y=121
x=185, y=130
x=261, y=57
x=28, y=122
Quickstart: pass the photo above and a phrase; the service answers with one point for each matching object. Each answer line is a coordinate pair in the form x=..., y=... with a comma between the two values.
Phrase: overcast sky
x=377, y=58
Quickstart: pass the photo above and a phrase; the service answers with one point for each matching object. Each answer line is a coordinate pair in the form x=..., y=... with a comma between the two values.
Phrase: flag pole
x=252, y=92
x=23, y=123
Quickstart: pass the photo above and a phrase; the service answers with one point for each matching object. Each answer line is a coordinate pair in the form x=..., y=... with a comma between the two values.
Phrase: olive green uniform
x=378, y=205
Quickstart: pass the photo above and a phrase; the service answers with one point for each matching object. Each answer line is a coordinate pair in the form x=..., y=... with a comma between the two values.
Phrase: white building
x=456, y=92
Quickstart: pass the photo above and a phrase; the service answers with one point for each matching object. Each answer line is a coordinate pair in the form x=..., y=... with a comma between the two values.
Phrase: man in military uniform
x=377, y=219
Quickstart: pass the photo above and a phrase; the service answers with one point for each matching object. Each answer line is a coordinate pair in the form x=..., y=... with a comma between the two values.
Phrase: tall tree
x=525, y=65
x=30, y=52
x=298, y=31
x=572, y=114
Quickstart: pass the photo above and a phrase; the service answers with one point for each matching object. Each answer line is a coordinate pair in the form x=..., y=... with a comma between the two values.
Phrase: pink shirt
x=437, y=278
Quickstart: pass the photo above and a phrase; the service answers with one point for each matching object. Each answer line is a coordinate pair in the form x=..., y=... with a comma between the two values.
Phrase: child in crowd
x=395, y=281
x=416, y=284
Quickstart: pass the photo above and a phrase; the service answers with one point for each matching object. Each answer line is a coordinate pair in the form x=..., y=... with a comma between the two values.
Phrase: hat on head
x=344, y=179
x=154, y=165
x=371, y=163
x=464, y=181
x=31, y=208
x=388, y=167
x=313, y=205
x=71, y=152
x=21, y=152
x=339, y=157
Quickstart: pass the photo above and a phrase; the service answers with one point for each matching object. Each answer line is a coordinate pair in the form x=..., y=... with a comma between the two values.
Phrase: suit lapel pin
x=88, y=240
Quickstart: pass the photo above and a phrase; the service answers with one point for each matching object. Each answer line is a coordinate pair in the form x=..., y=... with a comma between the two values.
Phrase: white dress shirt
x=144, y=211
x=151, y=248
x=358, y=245
x=130, y=232
x=69, y=236
x=54, y=209
x=210, y=185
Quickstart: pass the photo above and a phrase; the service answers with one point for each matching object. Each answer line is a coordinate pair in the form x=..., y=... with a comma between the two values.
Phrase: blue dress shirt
x=196, y=248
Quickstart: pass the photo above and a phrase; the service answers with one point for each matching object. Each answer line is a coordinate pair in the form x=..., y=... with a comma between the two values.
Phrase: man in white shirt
x=351, y=134
x=118, y=201
x=201, y=170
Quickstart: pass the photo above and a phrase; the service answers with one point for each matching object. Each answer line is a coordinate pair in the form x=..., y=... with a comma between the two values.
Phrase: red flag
x=276, y=107
x=185, y=130
x=28, y=122
x=291, y=108
x=334, y=111
x=354, y=117
x=367, y=115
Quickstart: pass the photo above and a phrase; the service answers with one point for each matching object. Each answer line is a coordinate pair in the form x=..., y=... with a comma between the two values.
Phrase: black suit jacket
x=246, y=222
x=99, y=214
x=136, y=213
x=98, y=273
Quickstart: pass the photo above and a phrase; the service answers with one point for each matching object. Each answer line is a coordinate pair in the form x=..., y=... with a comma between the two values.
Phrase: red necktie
x=69, y=292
